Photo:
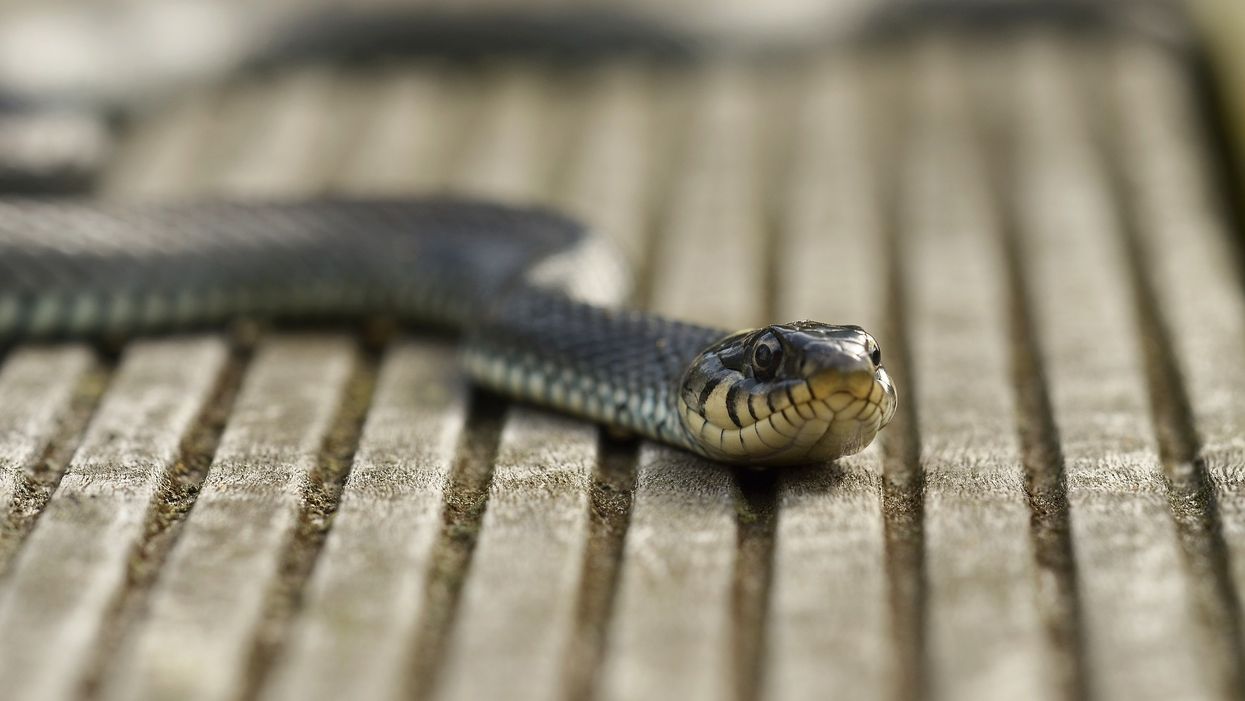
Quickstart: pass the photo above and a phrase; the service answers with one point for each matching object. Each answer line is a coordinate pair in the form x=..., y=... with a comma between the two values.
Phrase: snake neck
x=620, y=368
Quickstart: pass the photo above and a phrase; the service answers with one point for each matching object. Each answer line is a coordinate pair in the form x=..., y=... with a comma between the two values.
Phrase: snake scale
x=781, y=394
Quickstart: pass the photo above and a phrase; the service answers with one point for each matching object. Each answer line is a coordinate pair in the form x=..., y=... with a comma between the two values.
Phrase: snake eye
x=874, y=350
x=766, y=356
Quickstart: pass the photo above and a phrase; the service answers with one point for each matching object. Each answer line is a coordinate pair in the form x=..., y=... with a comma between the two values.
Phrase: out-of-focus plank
x=828, y=622
x=164, y=150
x=37, y=387
x=403, y=149
x=1121, y=528
x=209, y=603
x=671, y=635
x=293, y=141
x=74, y=565
x=608, y=178
x=511, y=149
x=1221, y=24
x=1195, y=272
x=985, y=637
x=715, y=200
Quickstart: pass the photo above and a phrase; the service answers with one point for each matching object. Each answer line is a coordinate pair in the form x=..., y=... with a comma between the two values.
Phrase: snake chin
x=852, y=429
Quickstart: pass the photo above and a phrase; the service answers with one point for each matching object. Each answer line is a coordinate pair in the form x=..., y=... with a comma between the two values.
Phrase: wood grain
x=1122, y=533
x=985, y=637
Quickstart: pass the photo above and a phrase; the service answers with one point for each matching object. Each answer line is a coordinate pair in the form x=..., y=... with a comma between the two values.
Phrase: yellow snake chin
x=813, y=421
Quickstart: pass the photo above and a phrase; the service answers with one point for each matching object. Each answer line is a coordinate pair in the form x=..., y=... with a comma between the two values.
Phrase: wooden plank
x=1188, y=253
x=607, y=182
x=1122, y=532
x=715, y=200
x=512, y=149
x=75, y=564
x=518, y=606
x=166, y=150
x=294, y=141
x=412, y=133
x=209, y=604
x=38, y=387
x=985, y=636
x=1220, y=25
x=828, y=619
x=672, y=629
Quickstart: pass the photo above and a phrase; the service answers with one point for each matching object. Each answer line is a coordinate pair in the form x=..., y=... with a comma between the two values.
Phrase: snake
x=507, y=279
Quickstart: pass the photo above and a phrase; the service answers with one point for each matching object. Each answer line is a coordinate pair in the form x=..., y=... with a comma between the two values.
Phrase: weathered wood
x=37, y=390
x=168, y=151
x=76, y=563
x=1189, y=257
x=293, y=144
x=213, y=597
x=1220, y=25
x=672, y=630
x=985, y=637
x=828, y=627
x=1130, y=567
x=410, y=135
x=715, y=199
x=518, y=607
x=512, y=147
x=356, y=627
x=608, y=176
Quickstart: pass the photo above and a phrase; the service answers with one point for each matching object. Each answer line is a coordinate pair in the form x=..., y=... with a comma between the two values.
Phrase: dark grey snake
x=782, y=394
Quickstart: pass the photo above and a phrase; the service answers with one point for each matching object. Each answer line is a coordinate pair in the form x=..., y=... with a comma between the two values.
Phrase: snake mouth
x=828, y=415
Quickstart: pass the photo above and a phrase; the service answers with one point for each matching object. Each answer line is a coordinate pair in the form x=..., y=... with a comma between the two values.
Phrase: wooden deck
x=1033, y=227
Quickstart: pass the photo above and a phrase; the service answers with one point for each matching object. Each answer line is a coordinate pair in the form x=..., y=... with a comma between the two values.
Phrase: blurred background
x=1033, y=204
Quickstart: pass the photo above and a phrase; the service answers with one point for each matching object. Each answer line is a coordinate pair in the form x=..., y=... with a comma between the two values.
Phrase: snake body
x=782, y=394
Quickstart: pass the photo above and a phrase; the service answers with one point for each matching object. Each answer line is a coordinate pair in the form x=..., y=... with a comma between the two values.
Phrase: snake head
x=787, y=393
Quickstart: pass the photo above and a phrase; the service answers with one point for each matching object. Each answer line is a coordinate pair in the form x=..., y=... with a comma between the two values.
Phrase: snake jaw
x=828, y=401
